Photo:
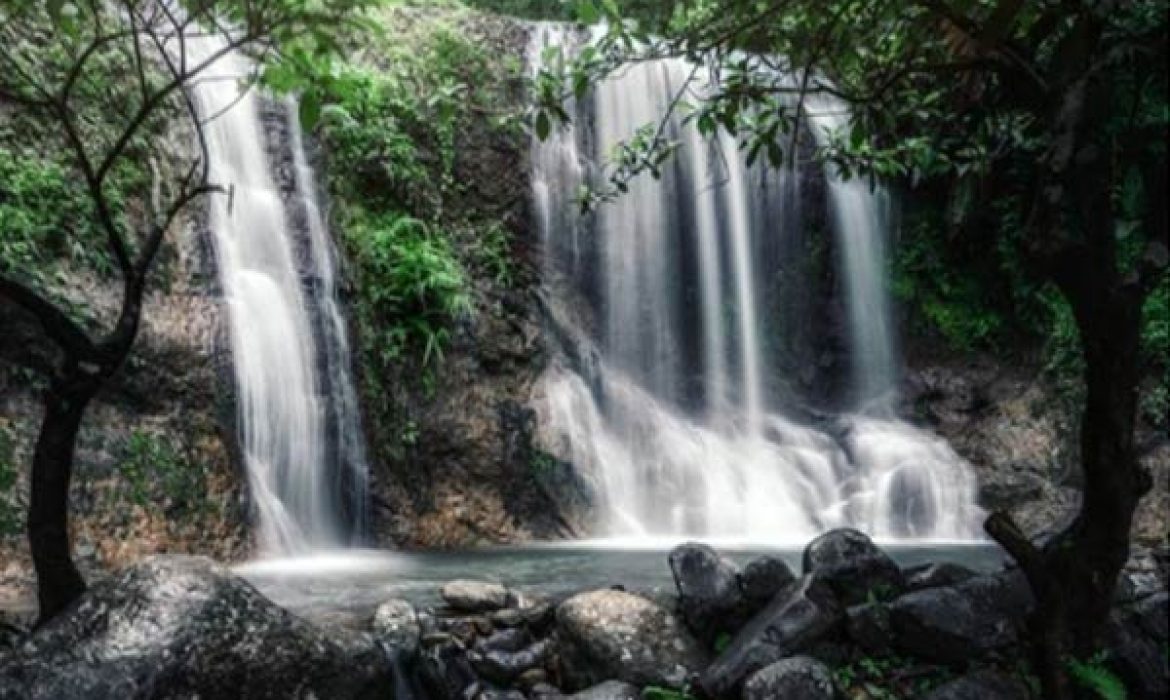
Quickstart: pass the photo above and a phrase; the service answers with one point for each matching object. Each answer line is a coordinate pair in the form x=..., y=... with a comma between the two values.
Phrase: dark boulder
x=446, y=672
x=869, y=627
x=853, y=566
x=935, y=575
x=610, y=634
x=474, y=596
x=1153, y=614
x=763, y=578
x=500, y=694
x=507, y=640
x=609, y=690
x=953, y=624
x=795, y=678
x=980, y=685
x=709, y=595
x=800, y=616
x=396, y=624
x=179, y=627
x=539, y=617
x=504, y=667
x=1136, y=656
x=10, y=635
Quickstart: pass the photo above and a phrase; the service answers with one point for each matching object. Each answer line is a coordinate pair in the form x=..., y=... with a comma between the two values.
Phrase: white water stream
x=677, y=421
x=298, y=422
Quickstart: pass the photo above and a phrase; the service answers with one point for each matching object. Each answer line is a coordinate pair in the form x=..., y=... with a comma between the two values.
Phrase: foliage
x=155, y=472
x=492, y=254
x=949, y=299
x=655, y=12
x=888, y=678
x=412, y=285
x=44, y=218
x=1093, y=675
x=91, y=97
x=397, y=122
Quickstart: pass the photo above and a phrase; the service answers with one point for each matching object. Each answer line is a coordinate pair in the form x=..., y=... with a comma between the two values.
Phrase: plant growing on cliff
x=153, y=470
x=413, y=284
x=101, y=85
x=402, y=121
x=1061, y=107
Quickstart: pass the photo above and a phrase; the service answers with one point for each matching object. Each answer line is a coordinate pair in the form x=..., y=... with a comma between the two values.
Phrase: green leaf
x=310, y=110
x=543, y=125
x=587, y=12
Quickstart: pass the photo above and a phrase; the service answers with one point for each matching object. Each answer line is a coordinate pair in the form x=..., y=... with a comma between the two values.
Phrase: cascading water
x=299, y=426
x=667, y=403
x=859, y=221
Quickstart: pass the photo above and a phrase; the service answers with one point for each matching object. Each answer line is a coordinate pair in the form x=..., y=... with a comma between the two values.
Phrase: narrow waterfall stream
x=299, y=425
x=671, y=408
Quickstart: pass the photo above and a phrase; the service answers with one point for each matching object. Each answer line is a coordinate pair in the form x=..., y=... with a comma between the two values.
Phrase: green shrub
x=45, y=217
x=154, y=473
x=412, y=285
x=947, y=297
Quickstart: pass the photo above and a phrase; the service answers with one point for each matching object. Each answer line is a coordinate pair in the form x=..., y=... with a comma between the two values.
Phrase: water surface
x=357, y=581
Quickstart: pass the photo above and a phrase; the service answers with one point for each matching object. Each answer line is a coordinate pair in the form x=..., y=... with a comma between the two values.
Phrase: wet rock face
x=853, y=566
x=178, y=627
x=455, y=465
x=1021, y=435
x=799, y=617
x=610, y=634
x=795, y=678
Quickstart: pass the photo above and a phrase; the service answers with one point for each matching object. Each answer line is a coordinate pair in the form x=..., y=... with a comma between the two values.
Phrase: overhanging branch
x=63, y=330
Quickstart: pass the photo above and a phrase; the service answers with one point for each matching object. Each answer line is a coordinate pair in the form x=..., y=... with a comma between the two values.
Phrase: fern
x=1094, y=676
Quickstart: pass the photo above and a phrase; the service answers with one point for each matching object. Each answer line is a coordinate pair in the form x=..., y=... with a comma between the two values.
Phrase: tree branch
x=63, y=330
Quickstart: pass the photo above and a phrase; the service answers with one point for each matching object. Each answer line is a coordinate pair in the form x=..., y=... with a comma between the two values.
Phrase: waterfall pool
x=355, y=582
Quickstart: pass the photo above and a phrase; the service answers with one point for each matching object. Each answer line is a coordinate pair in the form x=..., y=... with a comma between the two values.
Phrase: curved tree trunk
x=58, y=581
x=1073, y=577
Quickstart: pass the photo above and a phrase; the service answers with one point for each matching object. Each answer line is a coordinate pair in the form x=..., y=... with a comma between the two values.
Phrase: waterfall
x=299, y=427
x=859, y=221
x=668, y=403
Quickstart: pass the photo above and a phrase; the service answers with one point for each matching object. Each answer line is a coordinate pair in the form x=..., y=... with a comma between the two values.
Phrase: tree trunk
x=58, y=581
x=1074, y=576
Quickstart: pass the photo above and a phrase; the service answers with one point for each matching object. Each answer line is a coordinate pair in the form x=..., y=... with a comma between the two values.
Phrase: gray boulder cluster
x=186, y=628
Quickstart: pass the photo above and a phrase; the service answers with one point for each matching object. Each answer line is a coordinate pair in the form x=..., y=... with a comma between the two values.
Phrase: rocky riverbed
x=850, y=623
